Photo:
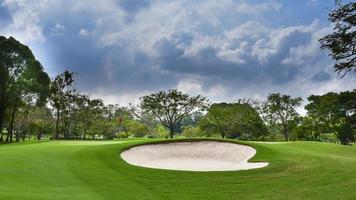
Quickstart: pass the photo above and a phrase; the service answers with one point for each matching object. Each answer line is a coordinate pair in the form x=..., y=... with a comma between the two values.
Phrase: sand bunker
x=193, y=156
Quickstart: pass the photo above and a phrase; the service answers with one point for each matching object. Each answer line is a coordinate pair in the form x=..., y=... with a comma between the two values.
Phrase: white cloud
x=24, y=25
x=83, y=32
x=58, y=30
x=121, y=99
x=301, y=54
x=256, y=9
x=194, y=86
x=313, y=2
x=276, y=40
x=234, y=55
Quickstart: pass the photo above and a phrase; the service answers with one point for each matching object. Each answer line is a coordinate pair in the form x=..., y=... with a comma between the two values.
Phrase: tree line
x=34, y=106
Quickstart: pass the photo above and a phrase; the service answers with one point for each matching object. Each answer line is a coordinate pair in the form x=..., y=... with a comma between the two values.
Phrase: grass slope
x=94, y=170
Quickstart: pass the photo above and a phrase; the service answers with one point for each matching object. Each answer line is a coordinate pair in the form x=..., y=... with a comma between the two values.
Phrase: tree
x=233, y=120
x=21, y=77
x=279, y=111
x=171, y=106
x=40, y=121
x=342, y=41
x=148, y=119
x=87, y=112
x=136, y=128
x=123, y=116
x=61, y=90
x=334, y=113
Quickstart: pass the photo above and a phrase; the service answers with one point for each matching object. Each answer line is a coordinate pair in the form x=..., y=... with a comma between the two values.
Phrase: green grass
x=93, y=170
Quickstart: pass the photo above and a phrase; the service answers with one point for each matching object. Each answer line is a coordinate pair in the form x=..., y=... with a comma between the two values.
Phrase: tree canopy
x=334, y=113
x=342, y=41
x=22, y=78
x=169, y=107
x=233, y=120
x=279, y=111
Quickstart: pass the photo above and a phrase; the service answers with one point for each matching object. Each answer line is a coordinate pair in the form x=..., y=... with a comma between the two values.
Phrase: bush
x=137, y=129
x=122, y=135
x=161, y=131
x=344, y=132
x=191, y=132
x=274, y=137
x=329, y=137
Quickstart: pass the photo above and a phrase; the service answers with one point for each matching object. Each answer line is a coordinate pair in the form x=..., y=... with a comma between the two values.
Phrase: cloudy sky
x=223, y=49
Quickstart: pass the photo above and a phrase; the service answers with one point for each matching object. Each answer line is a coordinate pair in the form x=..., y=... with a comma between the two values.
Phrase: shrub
x=191, y=132
x=122, y=135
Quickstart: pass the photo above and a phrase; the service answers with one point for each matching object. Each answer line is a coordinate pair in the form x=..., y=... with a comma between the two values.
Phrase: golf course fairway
x=94, y=170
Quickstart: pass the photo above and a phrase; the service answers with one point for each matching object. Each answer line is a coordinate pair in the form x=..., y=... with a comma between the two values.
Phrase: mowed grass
x=94, y=170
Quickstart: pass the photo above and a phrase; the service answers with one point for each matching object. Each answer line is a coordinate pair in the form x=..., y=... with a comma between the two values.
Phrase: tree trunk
x=17, y=136
x=66, y=130
x=39, y=135
x=11, y=128
x=171, y=132
x=1, y=137
x=84, y=134
x=222, y=132
x=285, y=133
x=127, y=134
x=56, y=133
x=2, y=114
x=23, y=136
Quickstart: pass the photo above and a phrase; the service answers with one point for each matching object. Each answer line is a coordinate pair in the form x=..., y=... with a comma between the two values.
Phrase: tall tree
x=279, y=111
x=21, y=76
x=61, y=91
x=342, y=41
x=123, y=116
x=171, y=106
x=233, y=120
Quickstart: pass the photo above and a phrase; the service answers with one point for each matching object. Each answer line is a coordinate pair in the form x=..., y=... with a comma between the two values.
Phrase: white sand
x=193, y=156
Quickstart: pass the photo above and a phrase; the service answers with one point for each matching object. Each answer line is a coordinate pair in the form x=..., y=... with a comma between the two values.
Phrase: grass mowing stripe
x=94, y=170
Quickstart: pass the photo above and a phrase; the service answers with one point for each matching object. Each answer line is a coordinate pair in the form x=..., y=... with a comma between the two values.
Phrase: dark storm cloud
x=113, y=68
x=207, y=63
x=125, y=47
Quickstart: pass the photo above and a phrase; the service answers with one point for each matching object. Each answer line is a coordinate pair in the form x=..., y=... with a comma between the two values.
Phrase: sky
x=222, y=49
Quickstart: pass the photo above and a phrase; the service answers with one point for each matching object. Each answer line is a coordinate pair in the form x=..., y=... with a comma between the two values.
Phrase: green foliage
x=307, y=129
x=161, y=131
x=334, y=113
x=342, y=41
x=279, y=111
x=344, y=132
x=62, y=92
x=329, y=137
x=233, y=120
x=22, y=79
x=192, y=132
x=136, y=128
x=122, y=135
x=170, y=107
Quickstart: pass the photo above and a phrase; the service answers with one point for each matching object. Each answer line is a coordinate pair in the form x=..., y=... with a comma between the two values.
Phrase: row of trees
x=330, y=117
x=34, y=106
